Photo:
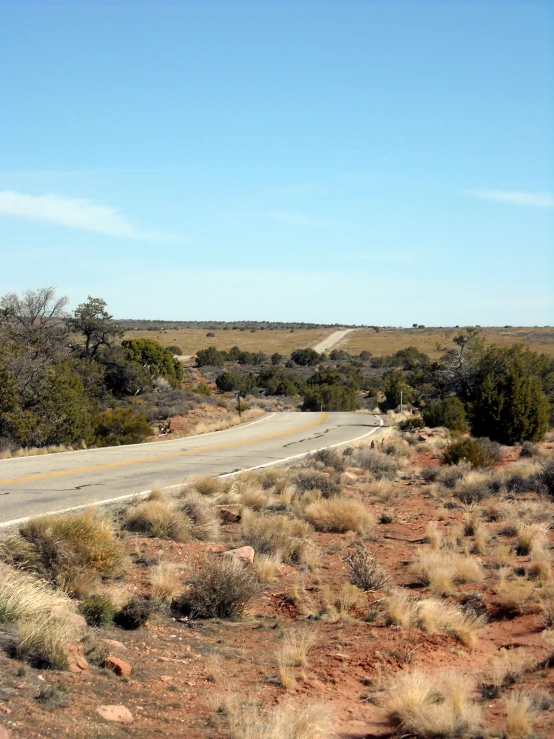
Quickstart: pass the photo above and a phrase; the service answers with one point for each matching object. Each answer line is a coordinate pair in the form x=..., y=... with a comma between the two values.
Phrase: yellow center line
x=171, y=455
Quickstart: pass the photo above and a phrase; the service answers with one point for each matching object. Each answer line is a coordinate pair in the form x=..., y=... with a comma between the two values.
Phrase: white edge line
x=141, y=443
x=17, y=521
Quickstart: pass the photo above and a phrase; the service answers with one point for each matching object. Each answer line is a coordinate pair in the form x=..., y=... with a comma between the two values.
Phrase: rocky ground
x=178, y=676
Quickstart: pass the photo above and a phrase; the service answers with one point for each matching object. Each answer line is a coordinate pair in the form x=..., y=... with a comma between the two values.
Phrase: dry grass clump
x=199, y=509
x=296, y=644
x=441, y=569
x=227, y=423
x=520, y=716
x=398, y=608
x=254, y=497
x=330, y=458
x=22, y=596
x=160, y=519
x=502, y=555
x=220, y=587
x=531, y=537
x=276, y=535
x=267, y=567
x=310, y=479
x=481, y=540
x=378, y=464
x=513, y=593
x=433, y=615
x=70, y=545
x=365, y=571
x=449, y=476
x=287, y=721
x=382, y=491
x=474, y=486
x=433, y=535
x=429, y=706
x=207, y=484
x=540, y=565
x=165, y=581
x=339, y=515
x=505, y=668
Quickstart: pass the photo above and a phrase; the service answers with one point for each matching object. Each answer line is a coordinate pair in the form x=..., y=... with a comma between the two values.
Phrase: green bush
x=470, y=450
x=330, y=398
x=305, y=357
x=174, y=349
x=410, y=424
x=98, y=610
x=448, y=413
x=118, y=426
x=156, y=359
x=134, y=614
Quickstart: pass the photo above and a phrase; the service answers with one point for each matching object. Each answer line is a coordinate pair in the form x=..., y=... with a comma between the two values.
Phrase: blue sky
x=379, y=162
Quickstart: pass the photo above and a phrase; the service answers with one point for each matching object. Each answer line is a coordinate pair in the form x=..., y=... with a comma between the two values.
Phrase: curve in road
x=31, y=486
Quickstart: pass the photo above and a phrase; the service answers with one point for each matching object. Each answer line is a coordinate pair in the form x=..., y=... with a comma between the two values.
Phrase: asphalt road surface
x=57, y=482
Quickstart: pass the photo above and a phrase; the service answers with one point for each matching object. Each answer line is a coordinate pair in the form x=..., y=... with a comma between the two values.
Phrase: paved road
x=332, y=340
x=55, y=482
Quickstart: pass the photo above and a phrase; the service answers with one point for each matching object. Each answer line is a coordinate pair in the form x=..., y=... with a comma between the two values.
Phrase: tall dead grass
x=276, y=535
x=339, y=515
x=440, y=570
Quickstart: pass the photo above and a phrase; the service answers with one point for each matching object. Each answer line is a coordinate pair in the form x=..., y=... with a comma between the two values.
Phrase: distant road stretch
x=51, y=483
x=332, y=340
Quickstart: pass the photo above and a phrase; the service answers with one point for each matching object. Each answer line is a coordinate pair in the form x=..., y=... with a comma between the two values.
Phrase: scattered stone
x=120, y=714
x=229, y=515
x=5, y=709
x=4, y=733
x=78, y=665
x=121, y=668
x=245, y=554
x=350, y=476
x=113, y=643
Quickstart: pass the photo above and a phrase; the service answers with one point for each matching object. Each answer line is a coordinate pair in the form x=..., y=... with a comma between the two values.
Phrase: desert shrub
x=433, y=615
x=42, y=639
x=297, y=642
x=305, y=357
x=411, y=424
x=545, y=479
x=221, y=587
x=286, y=721
x=475, y=487
x=165, y=581
x=134, y=614
x=174, y=349
x=23, y=596
x=198, y=509
x=433, y=707
x=473, y=451
x=503, y=669
x=365, y=571
x=98, y=609
x=71, y=543
x=330, y=398
x=313, y=480
x=330, y=458
x=529, y=450
x=450, y=475
x=448, y=413
x=520, y=716
x=397, y=608
x=380, y=465
x=160, y=519
x=441, y=569
x=340, y=515
x=531, y=537
x=513, y=594
x=207, y=485
x=118, y=426
x=430, y=474
x=276, y=535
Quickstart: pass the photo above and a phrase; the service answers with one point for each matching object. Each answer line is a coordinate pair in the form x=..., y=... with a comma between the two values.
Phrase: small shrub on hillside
x=221, y=587
x=380, y=465
x=98, y=609
x=70, y=544
x=134, y=614
x=430, y=474
x=449, y=476
x=365, y=571
x=529, y=450
x=410, y=424
x=545, y=479
x=276, y=535
x=339, y=515
x=174, y=349
x=199, y=510
x=330, y=458
x=43, y=638
x=120, y=426
x=475, y=487
x=314, y=480
x=23, y=596
x=473, y=451
x=159, y=519
x=448, y=413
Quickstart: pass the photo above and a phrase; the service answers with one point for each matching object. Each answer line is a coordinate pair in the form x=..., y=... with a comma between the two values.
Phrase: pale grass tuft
x=276, y=535
x=267, y=567
x=383, y=491
x=441, y=569
x=531, y=537
x=513, y=593
x=520, y=715
x=287, y=721
x=23, y=596
x=254, y=497
x=432, y=706
x=398, y=608
x=433, y=535
x=502, y=555
x=165, y=581
x=339, y=515
x=432, y=615
x=481, y=539
x=227, y=423
x=540, y=565
x=297, y=642
x=160, y=519
x=200, y=511
x=506, y=667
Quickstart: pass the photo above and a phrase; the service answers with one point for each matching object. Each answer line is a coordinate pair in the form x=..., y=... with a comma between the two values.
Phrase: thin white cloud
x=75, y=213
x=532, y=199
x=379, y=256
x=292, y=218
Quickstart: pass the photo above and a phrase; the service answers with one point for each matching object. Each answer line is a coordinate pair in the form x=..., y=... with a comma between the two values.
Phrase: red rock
x=229, y=516
x=77, y=665
x=120, y=714
x=245, y=554
x=118, y=666
x=350, y=476
x=4, y=733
